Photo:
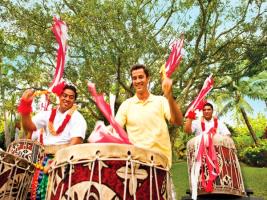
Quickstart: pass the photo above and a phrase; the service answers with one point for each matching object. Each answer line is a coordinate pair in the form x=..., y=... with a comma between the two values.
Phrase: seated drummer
x=62, y=126
x=144, y=115
x=205, y=123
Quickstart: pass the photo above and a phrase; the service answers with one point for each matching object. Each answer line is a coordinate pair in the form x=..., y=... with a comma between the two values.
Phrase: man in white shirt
x=62, y=125
x=204, y=128
x=206, y=122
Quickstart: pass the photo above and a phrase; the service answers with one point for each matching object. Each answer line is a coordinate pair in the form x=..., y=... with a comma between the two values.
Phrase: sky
x=257, y=106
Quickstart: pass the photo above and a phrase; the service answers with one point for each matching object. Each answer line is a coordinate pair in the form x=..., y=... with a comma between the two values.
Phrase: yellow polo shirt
x=145, y=122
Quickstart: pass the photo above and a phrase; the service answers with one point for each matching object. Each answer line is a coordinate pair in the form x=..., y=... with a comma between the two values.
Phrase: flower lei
x=215, y=124
x=64, y=123
x=208, y=153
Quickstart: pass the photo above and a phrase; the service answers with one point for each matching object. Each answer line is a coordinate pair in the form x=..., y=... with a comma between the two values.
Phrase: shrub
x=255, y=155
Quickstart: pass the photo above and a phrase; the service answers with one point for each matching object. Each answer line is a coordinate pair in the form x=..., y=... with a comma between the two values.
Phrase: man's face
x=140, y=80
x=66, y=100
x=207, y=112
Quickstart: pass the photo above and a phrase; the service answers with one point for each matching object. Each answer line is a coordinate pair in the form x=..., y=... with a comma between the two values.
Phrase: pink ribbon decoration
x=208, y=153
x=60, y=31
x=175, y=56
x=44, y=102
x=199, y=101
x=205, y=151
x=58, y=89
x=101, y=134
x=106, y=111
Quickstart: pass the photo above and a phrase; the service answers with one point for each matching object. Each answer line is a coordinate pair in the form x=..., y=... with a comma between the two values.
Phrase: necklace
x=64, y=123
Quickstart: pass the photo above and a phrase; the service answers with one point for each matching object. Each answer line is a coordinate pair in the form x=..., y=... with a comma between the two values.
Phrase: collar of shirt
x=209, y=121
x=59, y=113
x=136, y=100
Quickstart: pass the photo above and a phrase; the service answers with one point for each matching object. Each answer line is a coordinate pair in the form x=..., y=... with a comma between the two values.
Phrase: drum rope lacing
x=129, y=161
x=230, y=177
x=20, y=179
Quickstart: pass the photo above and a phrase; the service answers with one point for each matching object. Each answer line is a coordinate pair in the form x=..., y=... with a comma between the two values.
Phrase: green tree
x=248, y=152
x=233, y=98
x=106, y=37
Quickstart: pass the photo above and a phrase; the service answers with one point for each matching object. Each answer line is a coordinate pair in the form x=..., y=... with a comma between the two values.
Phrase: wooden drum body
x=229, y=181
x=15, y=176
x=108, y=171
x=30, y=150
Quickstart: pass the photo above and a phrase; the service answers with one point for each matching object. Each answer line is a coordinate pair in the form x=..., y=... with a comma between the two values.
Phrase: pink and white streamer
x=43, y=103
x=112, y=99
x=206, y=88
x=60, y=30
x=204, y=149
x=106, y=111
x=175, y=56
x=103, y=134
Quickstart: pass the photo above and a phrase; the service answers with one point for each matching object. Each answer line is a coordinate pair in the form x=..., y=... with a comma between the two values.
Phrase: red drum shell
x=32, y=151
x=108, y=171
x=229, y=181
x=15, y=176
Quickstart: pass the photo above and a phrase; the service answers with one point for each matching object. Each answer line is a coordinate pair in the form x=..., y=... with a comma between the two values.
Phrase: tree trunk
x=2, y=90
x=251, y=131
x=7, y=132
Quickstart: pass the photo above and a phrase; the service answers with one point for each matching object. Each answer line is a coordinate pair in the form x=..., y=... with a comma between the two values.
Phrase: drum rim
x=26, y=140
x=92, y=153
x=17, y=157
x=218, y=140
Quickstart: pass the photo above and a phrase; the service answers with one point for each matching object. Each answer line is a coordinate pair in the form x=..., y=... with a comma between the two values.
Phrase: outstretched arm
x=25, y=106
x=188, y=126
x=176, y=113
x=188, y=122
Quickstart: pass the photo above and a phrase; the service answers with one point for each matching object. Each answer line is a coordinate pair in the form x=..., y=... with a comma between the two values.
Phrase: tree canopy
x=106, y=37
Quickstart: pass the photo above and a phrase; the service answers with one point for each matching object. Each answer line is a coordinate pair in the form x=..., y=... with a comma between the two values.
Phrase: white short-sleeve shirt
x=76, y=127
x=197, y=129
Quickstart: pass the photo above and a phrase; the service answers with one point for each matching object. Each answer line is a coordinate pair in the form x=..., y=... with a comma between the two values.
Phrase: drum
x=30, y=150
x=15, y=176
x=108, y=171
x=229, y=181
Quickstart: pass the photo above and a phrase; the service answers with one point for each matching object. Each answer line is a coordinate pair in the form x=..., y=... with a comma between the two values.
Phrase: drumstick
x=163, y=72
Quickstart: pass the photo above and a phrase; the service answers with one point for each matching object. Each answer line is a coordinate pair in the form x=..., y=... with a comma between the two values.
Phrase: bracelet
x=191, y=115
x=25, y=107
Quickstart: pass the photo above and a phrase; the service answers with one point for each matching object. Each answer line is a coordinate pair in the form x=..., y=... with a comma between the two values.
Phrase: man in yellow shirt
x=144, y=115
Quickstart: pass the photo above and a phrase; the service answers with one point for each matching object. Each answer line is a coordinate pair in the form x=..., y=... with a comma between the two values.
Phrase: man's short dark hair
x=140, y=66
x=71, y=87
x=208, y=104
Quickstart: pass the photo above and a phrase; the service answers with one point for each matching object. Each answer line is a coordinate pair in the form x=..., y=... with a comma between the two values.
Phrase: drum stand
x=222, y=196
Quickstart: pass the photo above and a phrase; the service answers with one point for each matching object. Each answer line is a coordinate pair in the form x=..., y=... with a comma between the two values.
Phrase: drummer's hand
x=167, y=87
x=28, y=95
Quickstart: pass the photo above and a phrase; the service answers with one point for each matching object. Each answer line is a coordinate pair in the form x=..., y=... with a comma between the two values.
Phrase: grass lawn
x=254, y=179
